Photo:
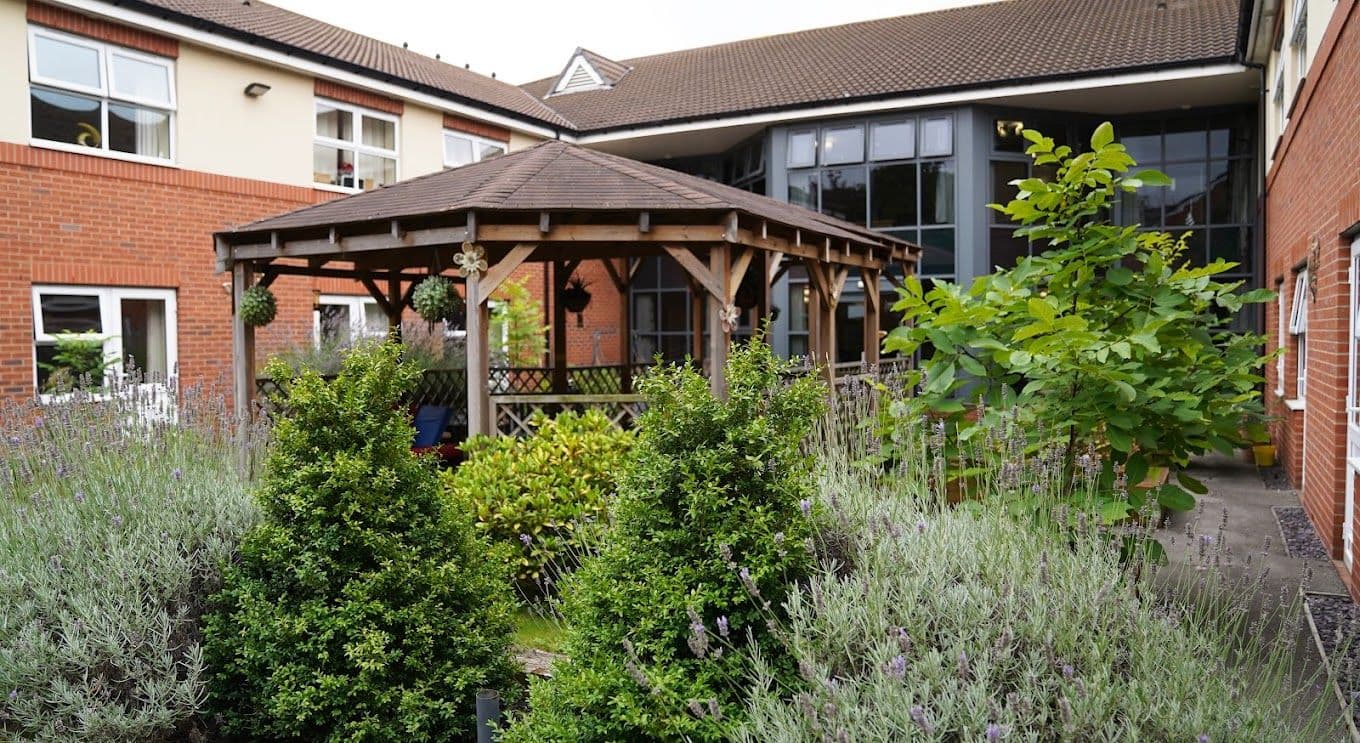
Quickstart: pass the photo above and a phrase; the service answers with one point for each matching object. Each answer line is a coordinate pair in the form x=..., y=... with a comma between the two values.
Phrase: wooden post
x=696, y=320
x=242, y=347
x=625, y=332
x=394, y=303
x=827, y=324
x=872, y=299
x=719, y=264
x=816, y=352
x=478, y=363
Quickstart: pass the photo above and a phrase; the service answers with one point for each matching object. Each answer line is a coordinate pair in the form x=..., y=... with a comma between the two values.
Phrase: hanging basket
x=258, y=306
x=575, y=297
x=436, y=300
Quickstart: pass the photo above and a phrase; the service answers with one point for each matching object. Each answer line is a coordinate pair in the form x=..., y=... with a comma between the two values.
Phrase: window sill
x=1295, y=405
x=77, y=149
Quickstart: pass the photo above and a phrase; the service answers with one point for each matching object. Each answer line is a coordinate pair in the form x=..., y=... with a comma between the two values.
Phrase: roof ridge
x=503, y=183
x=668, y=184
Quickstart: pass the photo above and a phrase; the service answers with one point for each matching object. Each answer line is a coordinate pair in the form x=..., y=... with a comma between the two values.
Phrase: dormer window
x=588, y=71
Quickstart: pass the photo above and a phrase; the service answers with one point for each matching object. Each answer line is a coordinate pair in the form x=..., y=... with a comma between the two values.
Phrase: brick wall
x=1312, y=195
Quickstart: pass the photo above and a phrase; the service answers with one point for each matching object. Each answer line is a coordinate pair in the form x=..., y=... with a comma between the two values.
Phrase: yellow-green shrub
x=541, y=498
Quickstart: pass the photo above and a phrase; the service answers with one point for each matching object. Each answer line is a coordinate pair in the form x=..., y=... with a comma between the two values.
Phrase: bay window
x=102, y=332
x=92, y=96
x=354, y=148
x=461, y=149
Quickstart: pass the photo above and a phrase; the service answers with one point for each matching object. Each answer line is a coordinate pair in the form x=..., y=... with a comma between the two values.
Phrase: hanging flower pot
x=436, y=300
x=747, y=297
x=575, y=297
x=258, y=306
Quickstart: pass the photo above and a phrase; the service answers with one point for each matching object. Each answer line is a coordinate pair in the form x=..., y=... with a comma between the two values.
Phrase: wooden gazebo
x=564, y=204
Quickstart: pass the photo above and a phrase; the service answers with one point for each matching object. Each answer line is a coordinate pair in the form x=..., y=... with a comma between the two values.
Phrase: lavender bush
x=117, y=514
x=981, y=623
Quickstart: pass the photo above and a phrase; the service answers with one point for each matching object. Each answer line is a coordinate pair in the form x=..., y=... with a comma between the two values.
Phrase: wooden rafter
x=497, y=274
x=696, y=269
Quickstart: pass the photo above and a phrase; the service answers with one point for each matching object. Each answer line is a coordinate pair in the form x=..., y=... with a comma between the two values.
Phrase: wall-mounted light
x=255, y=90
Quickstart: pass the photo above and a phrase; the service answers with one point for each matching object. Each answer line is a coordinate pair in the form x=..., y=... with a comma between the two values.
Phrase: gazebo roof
x=554, y=177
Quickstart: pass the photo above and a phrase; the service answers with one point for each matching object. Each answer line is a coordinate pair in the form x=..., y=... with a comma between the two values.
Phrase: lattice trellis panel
x=512, y=413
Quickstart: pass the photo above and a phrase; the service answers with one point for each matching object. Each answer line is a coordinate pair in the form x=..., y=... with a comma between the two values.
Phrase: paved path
x=1236, y=485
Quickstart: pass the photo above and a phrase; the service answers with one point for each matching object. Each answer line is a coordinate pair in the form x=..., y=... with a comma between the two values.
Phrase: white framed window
x=802, y=151
x=462, y=149
x=1298, y=327
x=135, y=328
x=1279, y=339
x=88, y=96
x=1298, y=41
x=892, y=140
x=355, y=148
x=342, y=318
x=937, y=136
x=1279, y=105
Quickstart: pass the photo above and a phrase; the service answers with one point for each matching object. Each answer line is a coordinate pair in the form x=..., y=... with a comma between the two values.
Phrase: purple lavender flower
x=38, y=422
x=80, y=496
x=1067, y=671
x=525, y=539
x=921, y=527
x=177, y=474
x=117, y=520
x=897, y=667
x=722, y=626
x=806, y=506
x=993, y=731
x=1202, y=738
x=918, y=716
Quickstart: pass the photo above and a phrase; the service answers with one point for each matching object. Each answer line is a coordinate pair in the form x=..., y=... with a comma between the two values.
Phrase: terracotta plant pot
x=1264, y=455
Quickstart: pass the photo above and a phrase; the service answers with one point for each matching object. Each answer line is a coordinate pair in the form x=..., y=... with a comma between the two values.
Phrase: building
x=146, y=125
x=1310, y=53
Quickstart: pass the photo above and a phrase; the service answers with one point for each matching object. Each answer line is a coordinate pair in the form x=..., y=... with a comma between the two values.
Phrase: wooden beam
x=872, y=314
x=343, y=245
x=730, y=227
x=633, y=265
x=620, y=278
x=692, y=265
x=798, y=248
x=394, y=302
x=497, y=274
x=561, y=271
x=267, y=278
x=817, y=279
x=606, y=233
x=472, y=225
x=774, y=266
x=739, y=265
x=836, y=282
x=377, y=294
x=284, y=269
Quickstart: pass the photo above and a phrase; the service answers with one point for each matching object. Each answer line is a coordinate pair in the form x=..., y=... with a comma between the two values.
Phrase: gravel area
x=1299, y=538
x=1332, y=613
x=1275, y=478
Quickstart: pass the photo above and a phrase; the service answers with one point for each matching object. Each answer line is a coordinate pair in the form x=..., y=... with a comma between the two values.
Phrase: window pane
x=893, y=195
x=1143, y=142
x=843, y=145
x=1006, y=135
x=802, y=149
x=891, y=140
x=144, y=338
x=843, y=194
x=675, y=347
x=1230, y=200
x=1007, y=250
x=1185, y=197
x=1186, y=139
x=379, y=133
x=1229, y=135
x=65, y=117
x=803, y=190
x=141, y=131
x=334, y=123
x=375, y=171
x=488, y=151
x=669, y=274
x=334, y=322
x=457, y=150
x=1003, y=192
x=798, y=307
x=332, y=165
x=375, y=322
x=644, y=312
x=1232, y=244
x=62, y=60
x=70, y=313
x=938, y=255
x=1143, y=206
x=674, y=311
x=937, y=192
x=1196, y=246
x=937, y=137
x=140, y=79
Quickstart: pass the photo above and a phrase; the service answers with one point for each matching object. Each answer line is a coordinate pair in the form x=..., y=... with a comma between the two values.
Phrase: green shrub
x=114, y=520
x=1108, y=336
x=972, y=624
x=544, y=497
x=79, y=362
x=709, y=504
x=362, y=608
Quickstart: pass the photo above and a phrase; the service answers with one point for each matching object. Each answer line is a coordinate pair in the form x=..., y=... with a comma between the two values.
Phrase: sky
x=524, y=40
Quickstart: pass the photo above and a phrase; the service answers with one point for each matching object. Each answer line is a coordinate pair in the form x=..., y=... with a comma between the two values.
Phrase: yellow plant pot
x=1264, y=455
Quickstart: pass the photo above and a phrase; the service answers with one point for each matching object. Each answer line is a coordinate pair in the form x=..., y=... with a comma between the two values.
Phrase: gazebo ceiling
x=555, y=193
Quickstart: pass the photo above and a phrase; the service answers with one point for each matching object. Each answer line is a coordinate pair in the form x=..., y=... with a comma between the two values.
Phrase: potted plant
x=1264, y=454
x=575, y=297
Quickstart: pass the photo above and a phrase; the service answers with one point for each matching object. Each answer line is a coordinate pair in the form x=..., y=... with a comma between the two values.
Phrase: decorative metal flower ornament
x=729, y=316
x=471, y=261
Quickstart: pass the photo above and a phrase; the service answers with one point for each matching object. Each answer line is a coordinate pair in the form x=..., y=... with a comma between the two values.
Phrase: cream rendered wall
x=520, y=140
x=14, y=121
x=422, y=141
x=219, y=129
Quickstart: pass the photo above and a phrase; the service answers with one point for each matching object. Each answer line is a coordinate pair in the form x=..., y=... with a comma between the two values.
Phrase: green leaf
x=1042, y=309
x=1175, y=498
x=1102, y=136
x=1191, y=484
x=1126, y=390
x=1153, y=178
x=1113, y=512
x=1119, y=276
x=1135, y=470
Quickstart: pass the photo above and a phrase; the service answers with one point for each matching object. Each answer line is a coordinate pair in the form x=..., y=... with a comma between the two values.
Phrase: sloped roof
x=971, y=47
x=260, y=22
x=557, y=176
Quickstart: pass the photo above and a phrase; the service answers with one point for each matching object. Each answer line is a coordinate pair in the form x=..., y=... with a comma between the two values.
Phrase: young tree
x=1110, y=337
x=361, y=608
